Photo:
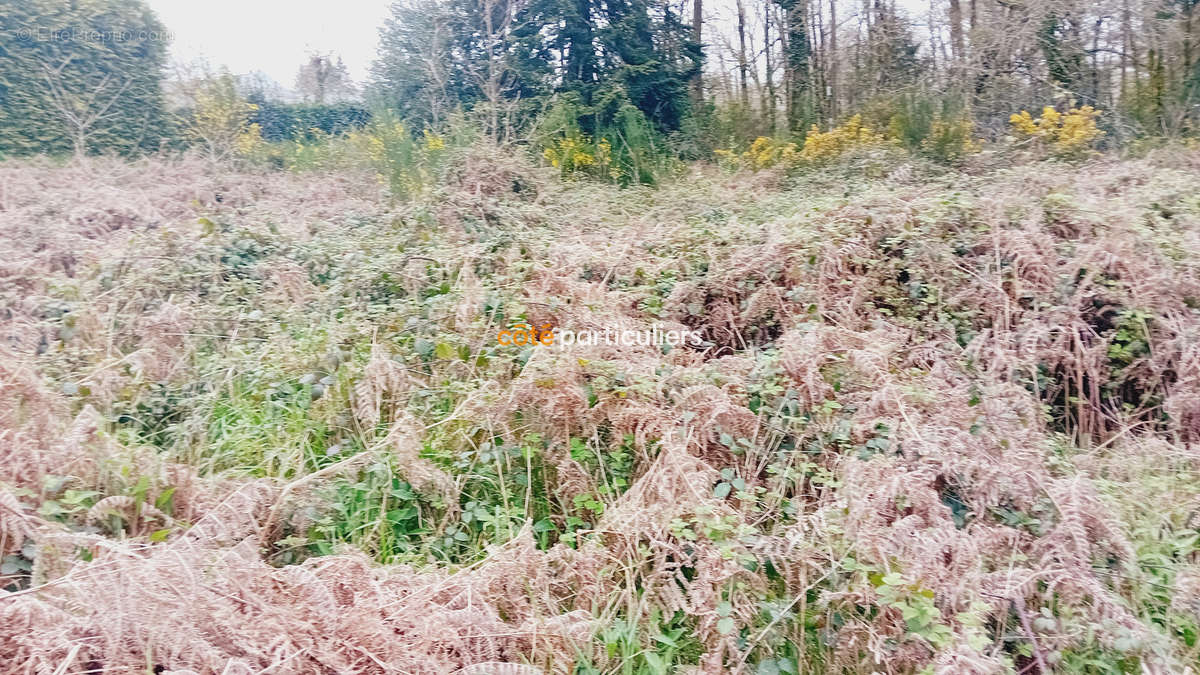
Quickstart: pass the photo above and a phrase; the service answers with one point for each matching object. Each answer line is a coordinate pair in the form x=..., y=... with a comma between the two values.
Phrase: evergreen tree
x=414, y=73
x=472, y=52
x=80, y=75
x=1058, y=36
x=653, y=58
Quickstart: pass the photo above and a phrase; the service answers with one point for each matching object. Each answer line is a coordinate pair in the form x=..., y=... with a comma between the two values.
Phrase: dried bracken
x=263, y=422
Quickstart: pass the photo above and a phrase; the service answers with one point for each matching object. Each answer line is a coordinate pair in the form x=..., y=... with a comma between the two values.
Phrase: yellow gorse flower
x=434, y=141
x=950, y=140
x=853, y=134
x=249, y=141
x=764, y=152
x=1069, y=134
x=578, y=154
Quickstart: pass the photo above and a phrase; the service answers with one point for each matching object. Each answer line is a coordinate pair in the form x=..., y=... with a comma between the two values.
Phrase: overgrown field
x=942, y=421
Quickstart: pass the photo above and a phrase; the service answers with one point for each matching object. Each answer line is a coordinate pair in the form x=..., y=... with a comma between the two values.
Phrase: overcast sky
x=274, y=36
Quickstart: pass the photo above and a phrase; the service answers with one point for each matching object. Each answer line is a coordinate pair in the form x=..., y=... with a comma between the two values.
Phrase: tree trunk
x=697, y=33
x=79, y=141
x=834, y=59
x=743, y=66
x=817, y=61
x=1096, y=61
x=1126, y=35
x=581, y=55
x=799, y=58
x=1188, y=8
x=771, y=101
x=957, y=47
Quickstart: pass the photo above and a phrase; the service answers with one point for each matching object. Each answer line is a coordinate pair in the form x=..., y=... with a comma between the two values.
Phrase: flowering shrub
x=763, y=153
x=1068, y=135
x=822, y=146
x=569, y=154
x=407, y=164
x=249, y=142
x=579, y=154
x=819, y=146
x=220, y=121
x=950, y=140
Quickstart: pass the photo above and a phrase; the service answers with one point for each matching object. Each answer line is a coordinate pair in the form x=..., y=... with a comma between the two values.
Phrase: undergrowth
x=941, y=419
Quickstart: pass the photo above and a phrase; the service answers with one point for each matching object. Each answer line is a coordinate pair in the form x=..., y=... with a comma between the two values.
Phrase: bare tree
x=259, y=85
x=322, y=79
x=743, y=64
x=770, y=99
x=83, y=111
x=218, y=112
x=435, y=60
x=958, y=48
x=494, y=75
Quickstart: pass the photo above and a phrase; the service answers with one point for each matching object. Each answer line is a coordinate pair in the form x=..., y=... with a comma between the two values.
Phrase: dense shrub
x=611, y=141
x=81, y=77
x=1068, y=135
x=919, y=433
x=290, y=122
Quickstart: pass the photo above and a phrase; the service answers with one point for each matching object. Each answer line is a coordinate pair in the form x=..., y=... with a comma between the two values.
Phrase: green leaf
x=14, y=565
x=725, y=626
x=141, y=488
x=767, y=667
x=722, y=490
x=400, y=515
x=51, y=508
x=164, y=502
x=445, y=351
x=424, y=348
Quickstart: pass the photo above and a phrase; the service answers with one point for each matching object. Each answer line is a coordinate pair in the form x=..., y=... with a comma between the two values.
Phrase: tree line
x=672, y=74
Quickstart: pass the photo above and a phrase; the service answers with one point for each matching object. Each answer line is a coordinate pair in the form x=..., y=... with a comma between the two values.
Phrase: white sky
x=273, y=36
